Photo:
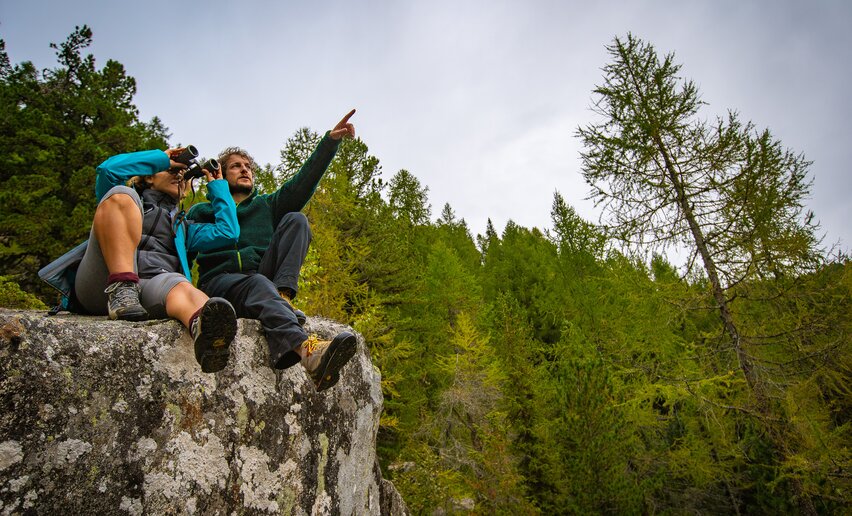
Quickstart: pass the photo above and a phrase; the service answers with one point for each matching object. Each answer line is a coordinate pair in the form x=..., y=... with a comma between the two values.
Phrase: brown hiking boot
x=301, y=318
x=324, y=359
x=212, y=333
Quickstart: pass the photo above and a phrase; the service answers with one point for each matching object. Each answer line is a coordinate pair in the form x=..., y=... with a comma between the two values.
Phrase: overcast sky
x=480, y=100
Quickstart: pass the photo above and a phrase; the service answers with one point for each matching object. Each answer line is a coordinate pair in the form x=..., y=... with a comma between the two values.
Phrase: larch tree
x=727, y=192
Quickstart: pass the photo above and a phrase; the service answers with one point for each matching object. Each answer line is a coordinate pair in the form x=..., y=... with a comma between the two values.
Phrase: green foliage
x=56, y=126
x=547, y=372
x=588, y=438
x=11, y=296
x=574, y=235
x=266, y=180
x=407, y=199
x=469, y=431
x=734, y=198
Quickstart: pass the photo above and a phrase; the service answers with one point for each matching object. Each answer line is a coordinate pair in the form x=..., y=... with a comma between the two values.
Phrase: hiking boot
x=213, y=330
x=324, y=359
x=300, y=315
x=123, y=303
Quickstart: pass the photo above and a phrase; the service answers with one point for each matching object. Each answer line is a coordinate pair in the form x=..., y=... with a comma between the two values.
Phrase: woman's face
x=168, y=183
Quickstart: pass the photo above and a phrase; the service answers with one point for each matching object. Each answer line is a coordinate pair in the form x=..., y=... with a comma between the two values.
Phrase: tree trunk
x=745, y=362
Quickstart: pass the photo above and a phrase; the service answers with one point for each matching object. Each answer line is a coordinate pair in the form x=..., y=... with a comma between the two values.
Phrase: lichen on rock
x=102, y=417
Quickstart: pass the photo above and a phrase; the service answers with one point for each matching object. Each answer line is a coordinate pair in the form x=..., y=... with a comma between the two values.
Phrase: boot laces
x=124, y=293
x=311, y=345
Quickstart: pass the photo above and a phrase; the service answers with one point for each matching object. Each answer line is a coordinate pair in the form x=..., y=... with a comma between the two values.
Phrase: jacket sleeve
x=225, y=230
x=118, y=169
x=296, y=192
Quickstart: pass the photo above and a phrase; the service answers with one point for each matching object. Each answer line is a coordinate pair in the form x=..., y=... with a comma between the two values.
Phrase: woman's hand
x=173, y=153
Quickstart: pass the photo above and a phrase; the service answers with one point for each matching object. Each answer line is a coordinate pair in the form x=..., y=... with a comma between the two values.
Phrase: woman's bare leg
x=118, y=228
x=183, y=301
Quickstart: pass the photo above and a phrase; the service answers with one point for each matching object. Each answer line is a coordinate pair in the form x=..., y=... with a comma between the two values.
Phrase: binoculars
x=189, y=157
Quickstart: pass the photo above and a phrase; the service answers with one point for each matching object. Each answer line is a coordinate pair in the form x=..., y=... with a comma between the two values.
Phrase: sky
x=480, y=99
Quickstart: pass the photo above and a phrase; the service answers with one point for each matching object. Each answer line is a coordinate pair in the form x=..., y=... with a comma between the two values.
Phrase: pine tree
x=56, y=126
x=408, y=199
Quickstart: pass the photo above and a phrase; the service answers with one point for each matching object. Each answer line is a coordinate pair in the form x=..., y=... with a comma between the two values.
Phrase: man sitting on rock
x=259, y=275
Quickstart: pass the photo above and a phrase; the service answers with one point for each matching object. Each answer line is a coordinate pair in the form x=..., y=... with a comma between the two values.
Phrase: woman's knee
x=119, y=204
x=122, y=195
x=185, y=290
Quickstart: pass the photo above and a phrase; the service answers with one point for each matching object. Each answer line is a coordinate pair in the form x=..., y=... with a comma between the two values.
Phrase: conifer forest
x=571, y=369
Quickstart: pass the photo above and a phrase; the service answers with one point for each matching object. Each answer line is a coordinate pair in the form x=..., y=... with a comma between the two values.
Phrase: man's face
x=239, y=175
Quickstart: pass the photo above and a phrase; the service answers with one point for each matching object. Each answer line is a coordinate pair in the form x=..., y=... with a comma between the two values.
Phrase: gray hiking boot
x=324, y=359
x=213, y=331
x=123, y=303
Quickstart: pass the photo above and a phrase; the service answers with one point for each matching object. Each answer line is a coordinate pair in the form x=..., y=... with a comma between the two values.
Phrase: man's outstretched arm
x=295, y=193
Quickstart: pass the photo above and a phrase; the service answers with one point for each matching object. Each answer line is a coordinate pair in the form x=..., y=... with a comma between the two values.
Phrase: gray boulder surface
x=115, y=417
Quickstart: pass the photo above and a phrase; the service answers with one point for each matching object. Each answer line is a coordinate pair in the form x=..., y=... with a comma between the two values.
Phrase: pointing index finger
x=346, y=118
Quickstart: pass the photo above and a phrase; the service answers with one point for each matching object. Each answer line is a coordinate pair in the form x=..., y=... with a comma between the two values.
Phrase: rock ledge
x=112, y=417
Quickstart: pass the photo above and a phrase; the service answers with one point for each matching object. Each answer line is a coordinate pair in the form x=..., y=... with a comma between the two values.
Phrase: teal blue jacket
x=259, y=215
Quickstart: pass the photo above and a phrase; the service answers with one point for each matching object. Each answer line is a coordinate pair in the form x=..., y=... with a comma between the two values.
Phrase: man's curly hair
x=226, y=154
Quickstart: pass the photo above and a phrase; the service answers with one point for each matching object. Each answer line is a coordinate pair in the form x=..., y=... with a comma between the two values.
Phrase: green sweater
x=259, y=215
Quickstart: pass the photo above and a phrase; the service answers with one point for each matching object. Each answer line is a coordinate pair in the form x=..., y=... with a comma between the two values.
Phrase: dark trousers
x=255, y=294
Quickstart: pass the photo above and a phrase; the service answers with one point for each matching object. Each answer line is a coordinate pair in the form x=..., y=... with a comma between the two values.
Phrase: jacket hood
x=159, y=198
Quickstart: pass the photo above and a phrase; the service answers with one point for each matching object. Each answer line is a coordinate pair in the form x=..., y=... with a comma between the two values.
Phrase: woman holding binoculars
x=135, y=264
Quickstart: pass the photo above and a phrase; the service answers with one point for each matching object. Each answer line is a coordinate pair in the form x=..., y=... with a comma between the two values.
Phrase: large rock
x=111, y=417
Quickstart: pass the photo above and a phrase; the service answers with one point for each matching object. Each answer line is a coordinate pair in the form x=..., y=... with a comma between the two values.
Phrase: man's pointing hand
x=343, y=128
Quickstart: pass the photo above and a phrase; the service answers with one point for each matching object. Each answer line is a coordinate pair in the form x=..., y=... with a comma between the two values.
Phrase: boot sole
x=129, y=316
x=218, y=328
x=339, y=352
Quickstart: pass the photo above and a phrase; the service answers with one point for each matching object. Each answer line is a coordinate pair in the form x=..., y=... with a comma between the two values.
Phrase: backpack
x=60, y=274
